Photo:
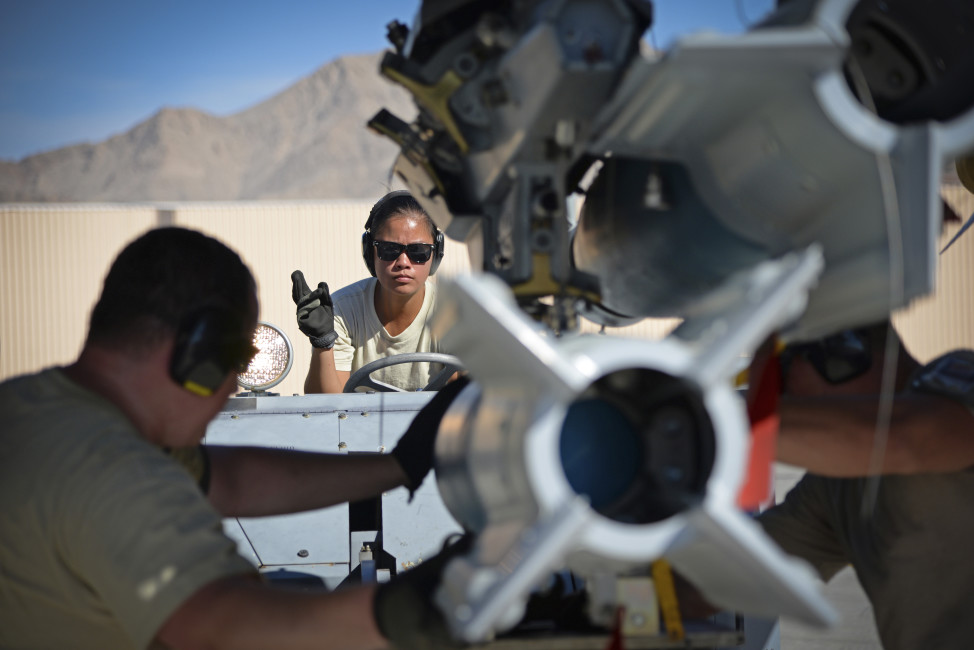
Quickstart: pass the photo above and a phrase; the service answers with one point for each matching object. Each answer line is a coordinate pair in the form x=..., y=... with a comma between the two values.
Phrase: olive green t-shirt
x=102, y=535
x=910, y=552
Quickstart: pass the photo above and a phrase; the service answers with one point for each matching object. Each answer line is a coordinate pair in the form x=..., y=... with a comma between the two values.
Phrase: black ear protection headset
x=208, y=345
x=368, y=243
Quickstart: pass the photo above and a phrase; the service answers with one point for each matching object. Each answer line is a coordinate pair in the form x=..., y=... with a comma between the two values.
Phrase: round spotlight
x=272, y=362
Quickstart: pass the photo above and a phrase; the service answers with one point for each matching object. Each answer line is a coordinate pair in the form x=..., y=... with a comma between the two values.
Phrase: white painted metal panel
x=307, y=538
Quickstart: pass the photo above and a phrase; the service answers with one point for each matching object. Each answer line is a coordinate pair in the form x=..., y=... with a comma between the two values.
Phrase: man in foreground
x=106, y=541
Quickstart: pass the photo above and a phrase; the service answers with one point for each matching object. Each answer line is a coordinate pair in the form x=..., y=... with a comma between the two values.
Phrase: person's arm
x=259, y=481
x=241, y=612
x=835, y=435
x=323, y=377
x=831, y=429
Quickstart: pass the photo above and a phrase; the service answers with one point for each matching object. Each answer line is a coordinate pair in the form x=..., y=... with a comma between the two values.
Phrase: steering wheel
x=363, y=376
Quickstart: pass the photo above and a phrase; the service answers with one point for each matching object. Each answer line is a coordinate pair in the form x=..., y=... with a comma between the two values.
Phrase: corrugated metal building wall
x=945, y=320
x=53, y=258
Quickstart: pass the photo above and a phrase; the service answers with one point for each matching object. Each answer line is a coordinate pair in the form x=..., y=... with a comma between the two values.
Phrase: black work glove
x=560, y=606
x=404, y=609
x=414, y=451
x=316, y=316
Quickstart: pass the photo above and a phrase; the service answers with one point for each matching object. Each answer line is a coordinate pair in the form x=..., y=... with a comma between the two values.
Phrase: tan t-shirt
x=102, y=535
x=362, y=338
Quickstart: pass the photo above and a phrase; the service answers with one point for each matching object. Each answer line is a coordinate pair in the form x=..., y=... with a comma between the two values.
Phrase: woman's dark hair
x=397, y=203
x=163, y=278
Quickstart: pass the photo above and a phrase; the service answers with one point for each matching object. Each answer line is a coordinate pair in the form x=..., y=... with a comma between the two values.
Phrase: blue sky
x=76, y=71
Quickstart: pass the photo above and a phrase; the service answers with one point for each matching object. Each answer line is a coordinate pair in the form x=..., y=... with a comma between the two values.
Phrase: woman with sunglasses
x=382, y=315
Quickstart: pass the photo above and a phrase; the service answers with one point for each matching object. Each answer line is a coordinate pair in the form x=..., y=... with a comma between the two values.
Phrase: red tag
x=762, y=411
x=615, y=639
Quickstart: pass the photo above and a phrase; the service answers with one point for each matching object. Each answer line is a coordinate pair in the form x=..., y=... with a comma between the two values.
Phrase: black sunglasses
x=389, y=251
x=837, y=358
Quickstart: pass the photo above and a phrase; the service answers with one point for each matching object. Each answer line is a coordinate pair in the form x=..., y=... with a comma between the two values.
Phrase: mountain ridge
x=308, y=141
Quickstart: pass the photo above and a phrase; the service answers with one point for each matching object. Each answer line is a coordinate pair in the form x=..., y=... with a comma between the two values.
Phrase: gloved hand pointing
x=316, y=315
